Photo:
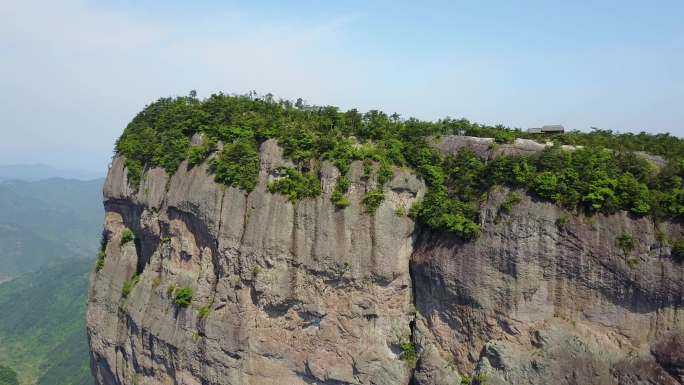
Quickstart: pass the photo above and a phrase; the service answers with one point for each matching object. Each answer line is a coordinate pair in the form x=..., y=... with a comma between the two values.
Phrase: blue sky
x=73, y=73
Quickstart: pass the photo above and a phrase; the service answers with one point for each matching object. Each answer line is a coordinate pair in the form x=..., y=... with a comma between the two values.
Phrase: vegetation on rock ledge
x=604, y=176
x=182, y=296
x=128, y=285
x=296, y=185
x=127, y=236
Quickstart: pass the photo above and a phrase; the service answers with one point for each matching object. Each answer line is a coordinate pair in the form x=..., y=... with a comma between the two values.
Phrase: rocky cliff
x=306, y=293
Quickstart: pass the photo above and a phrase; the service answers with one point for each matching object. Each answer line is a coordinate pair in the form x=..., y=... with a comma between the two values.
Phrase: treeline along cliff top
x=602, y=174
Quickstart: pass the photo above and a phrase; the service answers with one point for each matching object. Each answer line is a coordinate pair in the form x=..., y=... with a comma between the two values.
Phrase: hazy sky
x=73, y=73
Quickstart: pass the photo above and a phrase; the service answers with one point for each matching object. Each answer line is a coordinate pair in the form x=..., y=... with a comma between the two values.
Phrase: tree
x=8, y=376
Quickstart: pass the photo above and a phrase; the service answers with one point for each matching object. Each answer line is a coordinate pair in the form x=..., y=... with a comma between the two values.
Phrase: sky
x=74, y=72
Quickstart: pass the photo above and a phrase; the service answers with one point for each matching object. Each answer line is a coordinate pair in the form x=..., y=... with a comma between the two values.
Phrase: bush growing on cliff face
x=509, y=202
x=408, y=354
x=203, y=312
x=372, y=200
x=678, y=251
x=341, y=187
x=626, y=243
x=238, y=165
x=479, y=379
x=296, y=185
x=99, y=264
x=592, y=179
x=198, y=154
x=134, y=172
x=128, y=285
x=385, y=173
x=182, y=296
x=127, y=236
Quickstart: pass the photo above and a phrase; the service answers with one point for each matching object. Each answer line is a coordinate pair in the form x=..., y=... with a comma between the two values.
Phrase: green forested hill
x=49, y=232
x=44, y=221
x=42, y=326
x=8, y=376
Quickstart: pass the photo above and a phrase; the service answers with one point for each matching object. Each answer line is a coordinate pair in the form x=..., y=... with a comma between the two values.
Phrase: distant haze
x=35, y=172
x=49, y=220
x=74, y=72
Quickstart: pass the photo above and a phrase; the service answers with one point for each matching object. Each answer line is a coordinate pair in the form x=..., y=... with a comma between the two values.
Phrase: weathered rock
x=305, y=293
x=546, y=297
x=297, y=293
x=487, y=148
x=669, y=354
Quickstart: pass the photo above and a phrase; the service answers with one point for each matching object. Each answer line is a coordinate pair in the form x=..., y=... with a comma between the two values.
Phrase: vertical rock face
x=546, y=297
x=298, y=293
x=304, y=293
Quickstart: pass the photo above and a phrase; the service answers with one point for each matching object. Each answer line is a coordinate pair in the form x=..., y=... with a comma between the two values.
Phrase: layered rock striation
x=306, y=293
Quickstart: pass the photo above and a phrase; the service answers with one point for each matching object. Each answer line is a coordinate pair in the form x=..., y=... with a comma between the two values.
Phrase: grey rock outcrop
x=296, y=293
x=547, y=297
x=304, y=293
x=487, y=148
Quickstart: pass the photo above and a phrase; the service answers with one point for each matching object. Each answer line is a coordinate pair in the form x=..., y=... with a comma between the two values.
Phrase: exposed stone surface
x=306, y=293
x=545, y=297
x=487, y=148
x=298, y=293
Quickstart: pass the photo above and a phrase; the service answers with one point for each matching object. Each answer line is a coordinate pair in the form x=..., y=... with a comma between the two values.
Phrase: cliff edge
x=282, y=293
x=304, y=292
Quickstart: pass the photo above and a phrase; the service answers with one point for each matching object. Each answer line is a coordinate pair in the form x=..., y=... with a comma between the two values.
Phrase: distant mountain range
x=42, y=326
x=34, y=172
x=45, y=221
x=49, y=234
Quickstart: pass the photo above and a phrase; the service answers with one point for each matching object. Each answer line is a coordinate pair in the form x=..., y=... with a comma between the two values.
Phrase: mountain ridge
x=47, y=219
x=43, y=338
x=39, y=171
x=288, y=265
x=250, y=241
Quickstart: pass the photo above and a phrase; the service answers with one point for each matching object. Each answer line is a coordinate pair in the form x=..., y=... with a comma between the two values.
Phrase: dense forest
x=605, y=175
x=42, y=335
x=8, y=376
x=45, y=221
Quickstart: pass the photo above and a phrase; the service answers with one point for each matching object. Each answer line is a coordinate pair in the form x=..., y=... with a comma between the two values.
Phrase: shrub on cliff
x=134, y=172
x=99, y=264
x=372, y=200
x=182, y=296
x=409, y=354
x=101, y=255
x=678, y=251
x=198, y=154
x=341, y=187
x=296, y=185
x=128, y=285
x=127, y=236
x=238, y=165
x=203, y=312
x=626, y=243
x=504, y=136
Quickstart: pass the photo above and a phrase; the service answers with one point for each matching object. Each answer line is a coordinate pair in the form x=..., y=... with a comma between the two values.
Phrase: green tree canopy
x=604, y=175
